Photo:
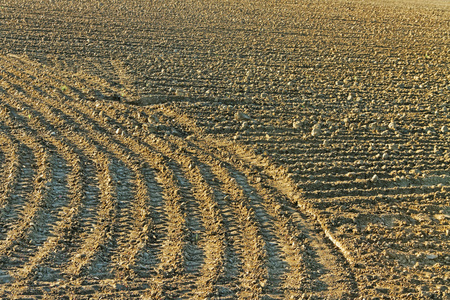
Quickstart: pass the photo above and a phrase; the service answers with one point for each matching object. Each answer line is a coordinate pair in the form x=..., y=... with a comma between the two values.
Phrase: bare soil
x=224, y=149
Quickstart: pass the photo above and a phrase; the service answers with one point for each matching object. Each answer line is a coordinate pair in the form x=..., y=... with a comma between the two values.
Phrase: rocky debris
x=316, y=130
x=240, y=116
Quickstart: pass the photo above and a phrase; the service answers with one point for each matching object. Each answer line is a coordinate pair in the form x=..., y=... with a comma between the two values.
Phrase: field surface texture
x=224, y=149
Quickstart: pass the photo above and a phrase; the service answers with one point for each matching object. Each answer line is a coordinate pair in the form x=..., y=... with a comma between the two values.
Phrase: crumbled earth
x=224, y=149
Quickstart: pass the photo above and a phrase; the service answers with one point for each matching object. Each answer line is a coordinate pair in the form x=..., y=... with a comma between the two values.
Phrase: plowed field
x=224, y=149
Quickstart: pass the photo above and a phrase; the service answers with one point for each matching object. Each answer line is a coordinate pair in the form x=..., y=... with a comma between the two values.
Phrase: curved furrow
x=226, y=284
x=107, y=207
x=169, y=255
x=10, y=168
x=134, y=214
x=62, y=225
x=35, y=202
x=314, y=267
x=253, y=276
x=206, y=236
x=68, y=218
x=148, y=257
x=101, y=233
x=129, y=244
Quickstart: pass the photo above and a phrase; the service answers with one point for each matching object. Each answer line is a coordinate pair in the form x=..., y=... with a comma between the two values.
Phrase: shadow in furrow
x=194, y=257
x=227, y=284
x=22, y=188
x=276, y=266
x=148, y=258
x=103, y=266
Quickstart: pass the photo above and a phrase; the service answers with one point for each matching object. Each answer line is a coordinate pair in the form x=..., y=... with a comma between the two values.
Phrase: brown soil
x=224, y=149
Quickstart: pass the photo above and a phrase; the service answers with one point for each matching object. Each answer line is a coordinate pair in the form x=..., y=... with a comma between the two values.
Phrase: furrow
x=169, y=255
x=253, y=276
x=77, y=262
x=107, y=207
x=35, y=202
x=129, y=243
x=268, y=226
x=10, y=168
x=208, y=235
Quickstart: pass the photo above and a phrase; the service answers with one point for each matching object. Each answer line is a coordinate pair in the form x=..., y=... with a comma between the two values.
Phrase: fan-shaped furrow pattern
x=107, y=206
x=206, y=230
x=106, y=193
x=253, y=276
x=34, y=203
x=123, y=200
x=170, y=260
x=301, y=253
x=179, y=231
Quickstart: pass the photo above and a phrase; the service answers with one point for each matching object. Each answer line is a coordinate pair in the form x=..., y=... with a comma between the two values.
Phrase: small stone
x=385, y=156
x=118, y=131
x=240, y=116
x=393, y=147
x=297, y=125
x=350, y=97
x=444, y=129
x=374, y=178
x=326, y=143
x=244, y=125
x=316, y=130
x=392, y=125
x=432, y=256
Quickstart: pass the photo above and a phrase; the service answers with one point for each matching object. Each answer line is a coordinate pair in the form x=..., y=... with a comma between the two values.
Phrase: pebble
x=385, y=156
x=326, y=143
x=240, y=116
x=316, y=129
x=444, y=129
x=392, y=125
x=393, y=147
x=374, y=178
